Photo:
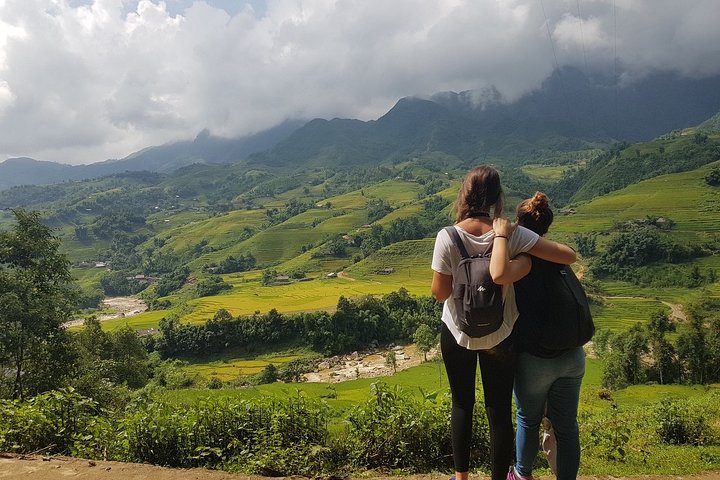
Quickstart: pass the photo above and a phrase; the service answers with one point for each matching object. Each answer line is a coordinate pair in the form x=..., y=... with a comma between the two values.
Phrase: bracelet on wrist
x=501, y=236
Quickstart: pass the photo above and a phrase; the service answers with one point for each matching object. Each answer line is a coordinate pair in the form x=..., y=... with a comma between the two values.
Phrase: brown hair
x=480, y=190
x=535, y=213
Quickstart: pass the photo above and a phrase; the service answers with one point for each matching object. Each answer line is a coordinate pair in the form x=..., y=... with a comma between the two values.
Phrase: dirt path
x=35, y=468
x=119, y=307
x=677, y=312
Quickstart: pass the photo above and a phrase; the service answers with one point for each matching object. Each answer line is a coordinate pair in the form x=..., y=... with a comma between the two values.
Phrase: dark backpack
x=478, y=300
x=566, y=321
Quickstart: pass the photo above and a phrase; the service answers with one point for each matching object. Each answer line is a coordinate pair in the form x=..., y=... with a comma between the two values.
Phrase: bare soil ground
x=57, y=468
x=366, y=365
x=118, y=306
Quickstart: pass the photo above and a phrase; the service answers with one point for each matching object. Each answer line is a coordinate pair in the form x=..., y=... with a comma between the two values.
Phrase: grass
x=88, y=277
x=142, y=321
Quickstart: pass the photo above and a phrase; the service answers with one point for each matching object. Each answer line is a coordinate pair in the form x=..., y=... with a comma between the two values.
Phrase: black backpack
x=566, y=321
x=478, y=300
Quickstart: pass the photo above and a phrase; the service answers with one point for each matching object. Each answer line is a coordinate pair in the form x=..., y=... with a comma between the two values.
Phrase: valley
x=265, y=289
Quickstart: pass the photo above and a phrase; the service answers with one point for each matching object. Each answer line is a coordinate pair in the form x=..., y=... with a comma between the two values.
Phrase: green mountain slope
x=627, y=164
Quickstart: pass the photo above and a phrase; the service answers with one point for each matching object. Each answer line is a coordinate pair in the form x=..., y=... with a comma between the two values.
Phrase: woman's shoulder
x=524, y=232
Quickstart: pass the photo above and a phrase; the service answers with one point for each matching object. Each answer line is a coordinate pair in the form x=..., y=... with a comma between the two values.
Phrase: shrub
x=211, y=286
x=607, y=435
x=48, y=422
x=713, y=178
x=394, y=430
x=214, y=383
x=680, y=423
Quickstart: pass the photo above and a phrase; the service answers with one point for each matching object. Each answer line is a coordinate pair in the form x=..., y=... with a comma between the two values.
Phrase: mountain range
x=569, y=111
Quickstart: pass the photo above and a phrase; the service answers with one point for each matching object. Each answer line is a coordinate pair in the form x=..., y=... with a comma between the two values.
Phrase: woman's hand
x=502, y=270
x=503, y=227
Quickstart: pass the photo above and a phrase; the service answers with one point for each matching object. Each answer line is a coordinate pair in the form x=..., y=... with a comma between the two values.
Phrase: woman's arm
x=502, y=270
x=553, y=252
x=441, y=286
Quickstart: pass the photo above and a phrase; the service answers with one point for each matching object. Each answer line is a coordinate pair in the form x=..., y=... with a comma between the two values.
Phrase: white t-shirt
x=446, y=257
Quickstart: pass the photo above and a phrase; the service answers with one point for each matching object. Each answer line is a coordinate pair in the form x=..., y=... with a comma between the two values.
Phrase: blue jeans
x=555, y=381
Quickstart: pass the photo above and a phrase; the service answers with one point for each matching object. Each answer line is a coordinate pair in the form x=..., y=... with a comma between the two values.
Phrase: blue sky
x=87, y=80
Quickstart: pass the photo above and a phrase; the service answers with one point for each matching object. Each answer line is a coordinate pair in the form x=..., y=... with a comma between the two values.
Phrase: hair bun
x=539, y=201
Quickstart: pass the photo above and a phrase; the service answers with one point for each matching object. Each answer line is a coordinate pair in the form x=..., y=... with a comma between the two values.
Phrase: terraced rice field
x=409, y=259
x=142, y=321
x=618, y=314
x=544, y=173
x=319, y=294
x=230, y=369
x=683, y=197
x=217, y=231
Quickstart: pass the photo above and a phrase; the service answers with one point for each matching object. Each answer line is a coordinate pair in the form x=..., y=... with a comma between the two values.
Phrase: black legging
x=497, y=368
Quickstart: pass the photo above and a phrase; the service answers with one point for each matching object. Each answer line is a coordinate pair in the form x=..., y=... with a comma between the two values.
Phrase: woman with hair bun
x=544, y=378
x=478, y=223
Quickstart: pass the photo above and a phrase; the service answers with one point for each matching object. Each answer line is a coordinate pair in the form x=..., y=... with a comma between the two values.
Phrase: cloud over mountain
x=86, y=80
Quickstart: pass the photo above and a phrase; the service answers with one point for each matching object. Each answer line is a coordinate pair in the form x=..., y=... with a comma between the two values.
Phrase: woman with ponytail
x=545, y=379
x=479, y=223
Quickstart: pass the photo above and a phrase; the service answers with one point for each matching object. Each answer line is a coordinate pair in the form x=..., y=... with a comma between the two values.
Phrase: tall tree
x=37, y=296
x=425, y=339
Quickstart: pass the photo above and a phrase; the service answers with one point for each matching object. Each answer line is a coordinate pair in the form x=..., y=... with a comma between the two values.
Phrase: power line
x=552, y=45
x=615, y=62
x=593, y=113
x=582, y=35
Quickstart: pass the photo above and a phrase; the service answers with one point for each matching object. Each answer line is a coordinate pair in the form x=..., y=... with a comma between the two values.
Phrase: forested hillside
x=256, y=276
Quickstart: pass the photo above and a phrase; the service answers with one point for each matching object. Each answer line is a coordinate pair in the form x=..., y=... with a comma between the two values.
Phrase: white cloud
x=86, y=80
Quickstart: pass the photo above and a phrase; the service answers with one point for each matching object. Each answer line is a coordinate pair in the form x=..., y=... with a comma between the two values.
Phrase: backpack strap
x=455, y=236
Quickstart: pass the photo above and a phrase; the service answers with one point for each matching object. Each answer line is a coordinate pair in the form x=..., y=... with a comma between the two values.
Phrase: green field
x=684, y=197
x=232, y=368
x=544, y=173
x=618, y=314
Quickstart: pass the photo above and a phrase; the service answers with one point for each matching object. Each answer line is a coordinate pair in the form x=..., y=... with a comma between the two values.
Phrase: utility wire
x=593, y=113
x=552, y=45
x=615, y=59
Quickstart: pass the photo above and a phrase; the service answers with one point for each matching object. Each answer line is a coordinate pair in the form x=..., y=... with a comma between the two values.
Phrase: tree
x=660, y=324
x=425, y=339
x=391, y=361
x=624, y=362
x=586, y=244
x=269, y=374
x=211, y=286
x=663, y=352
x=713, y=178
x=37, y=297
x=692, y=351
x=665, y=363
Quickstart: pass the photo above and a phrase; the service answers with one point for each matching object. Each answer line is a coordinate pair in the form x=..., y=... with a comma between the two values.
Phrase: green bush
x=214, y=383
x=227, y=433
x=679, y=422
x=607, y=436
x=394, y=430
x=211, y=286
x=49, y=422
